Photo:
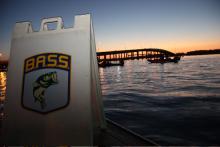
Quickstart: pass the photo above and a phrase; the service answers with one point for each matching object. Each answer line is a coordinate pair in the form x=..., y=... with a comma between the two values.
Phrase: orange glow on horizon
x=3, y=56
x=173, y=46
x=183, y=49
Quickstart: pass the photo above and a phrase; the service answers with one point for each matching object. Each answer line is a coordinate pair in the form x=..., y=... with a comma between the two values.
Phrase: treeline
x=203, y=52
x=200, y=52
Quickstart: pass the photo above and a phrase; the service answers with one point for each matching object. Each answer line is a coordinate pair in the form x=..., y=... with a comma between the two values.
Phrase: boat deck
x=116, y=135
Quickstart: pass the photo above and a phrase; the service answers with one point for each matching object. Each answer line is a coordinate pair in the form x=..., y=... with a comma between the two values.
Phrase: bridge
x=121, y=55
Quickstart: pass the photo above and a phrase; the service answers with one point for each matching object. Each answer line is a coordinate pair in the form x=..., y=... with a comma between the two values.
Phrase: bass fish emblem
x=46, y=82
x=40, y=86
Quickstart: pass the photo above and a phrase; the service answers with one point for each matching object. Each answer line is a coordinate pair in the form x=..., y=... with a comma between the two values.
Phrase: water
x=172, y=104
x=2, y=92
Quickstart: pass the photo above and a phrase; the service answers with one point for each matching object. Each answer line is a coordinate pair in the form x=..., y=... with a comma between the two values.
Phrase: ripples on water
x=173, y=104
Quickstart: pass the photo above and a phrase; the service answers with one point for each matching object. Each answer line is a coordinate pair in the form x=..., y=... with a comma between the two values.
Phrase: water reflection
x=118, y=79
x=2, y=86
x=2, y=92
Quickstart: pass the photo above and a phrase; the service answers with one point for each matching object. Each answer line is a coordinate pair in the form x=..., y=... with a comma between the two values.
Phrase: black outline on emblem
x=69, y=77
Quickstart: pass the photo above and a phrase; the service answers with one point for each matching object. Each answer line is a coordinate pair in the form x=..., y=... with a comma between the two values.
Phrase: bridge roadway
x=133, y=54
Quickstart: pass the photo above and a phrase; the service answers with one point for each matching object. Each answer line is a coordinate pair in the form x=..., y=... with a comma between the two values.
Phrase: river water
x=172, y=104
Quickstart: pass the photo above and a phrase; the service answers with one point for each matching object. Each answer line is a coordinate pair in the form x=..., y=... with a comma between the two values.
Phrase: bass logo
x=40, y=86
x=46, y=82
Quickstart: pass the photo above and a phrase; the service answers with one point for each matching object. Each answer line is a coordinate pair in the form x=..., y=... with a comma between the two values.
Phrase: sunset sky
x=174, y=25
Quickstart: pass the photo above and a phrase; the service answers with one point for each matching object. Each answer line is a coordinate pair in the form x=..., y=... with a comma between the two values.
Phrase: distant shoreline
x=200, y=52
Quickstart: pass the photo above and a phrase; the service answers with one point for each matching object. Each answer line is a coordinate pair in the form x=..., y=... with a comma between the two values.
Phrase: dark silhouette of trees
x=203, y=52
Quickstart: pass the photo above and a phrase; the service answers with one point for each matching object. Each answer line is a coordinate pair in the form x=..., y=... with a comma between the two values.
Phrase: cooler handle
x=45, y=22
